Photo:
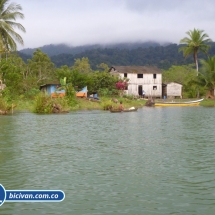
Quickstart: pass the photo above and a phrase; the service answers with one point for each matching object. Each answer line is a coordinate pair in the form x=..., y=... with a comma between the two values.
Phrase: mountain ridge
x=161, y=56
x=56, y=49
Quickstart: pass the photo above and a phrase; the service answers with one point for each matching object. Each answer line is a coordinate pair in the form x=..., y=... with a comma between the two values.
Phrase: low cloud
x=100, y=21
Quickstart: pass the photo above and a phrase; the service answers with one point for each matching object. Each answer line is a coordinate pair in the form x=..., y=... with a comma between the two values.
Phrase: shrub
x=71, y=95
x=107, y=105
x=107, y=92
x=43, y=103
x=46, y=104
x=4, y=105
x=32, y=93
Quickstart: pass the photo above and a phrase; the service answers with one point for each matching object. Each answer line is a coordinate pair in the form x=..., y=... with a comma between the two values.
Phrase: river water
x=153, y=161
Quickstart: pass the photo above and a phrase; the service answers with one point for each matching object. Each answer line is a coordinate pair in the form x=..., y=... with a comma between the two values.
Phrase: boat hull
x=190, y=103
x=162, y=104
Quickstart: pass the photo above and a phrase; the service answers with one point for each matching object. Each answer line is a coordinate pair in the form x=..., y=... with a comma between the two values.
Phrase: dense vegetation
x=24, y=79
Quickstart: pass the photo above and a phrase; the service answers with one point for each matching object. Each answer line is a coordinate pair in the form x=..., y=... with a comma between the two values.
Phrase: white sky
x=81, y=22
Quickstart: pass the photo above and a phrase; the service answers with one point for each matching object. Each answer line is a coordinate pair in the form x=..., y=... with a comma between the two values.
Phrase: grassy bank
x=24, y=105
x=84, y=104
x=208, y=103
x=105, y=102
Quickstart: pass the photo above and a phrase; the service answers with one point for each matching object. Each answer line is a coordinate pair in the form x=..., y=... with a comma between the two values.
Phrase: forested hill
x=57, y=49
x=161, y=56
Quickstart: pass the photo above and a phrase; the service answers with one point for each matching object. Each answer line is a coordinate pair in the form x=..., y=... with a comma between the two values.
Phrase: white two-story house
x=147, y=78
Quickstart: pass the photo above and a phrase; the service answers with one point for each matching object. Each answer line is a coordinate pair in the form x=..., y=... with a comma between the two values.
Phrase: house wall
x=147, y=82
x=2, y=86
x=50, y=89
x=82, y=93
x=174, y=89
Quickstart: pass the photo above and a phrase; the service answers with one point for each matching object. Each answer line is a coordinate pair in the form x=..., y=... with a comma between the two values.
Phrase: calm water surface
x=154, y=161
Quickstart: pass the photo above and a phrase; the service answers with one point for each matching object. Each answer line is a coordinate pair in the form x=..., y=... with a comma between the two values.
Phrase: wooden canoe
x=125, y=110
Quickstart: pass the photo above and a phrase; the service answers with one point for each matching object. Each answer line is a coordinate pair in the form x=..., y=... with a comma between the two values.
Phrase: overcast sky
x=81, y=22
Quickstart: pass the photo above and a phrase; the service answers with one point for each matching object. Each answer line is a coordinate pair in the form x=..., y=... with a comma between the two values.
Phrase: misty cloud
x=100, y=21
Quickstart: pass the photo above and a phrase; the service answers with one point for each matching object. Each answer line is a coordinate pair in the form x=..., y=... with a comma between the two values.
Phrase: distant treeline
x=161, y=56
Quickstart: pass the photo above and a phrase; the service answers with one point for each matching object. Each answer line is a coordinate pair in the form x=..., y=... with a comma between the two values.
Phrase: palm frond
x=196, y=41
x=16, y=25
x=9, y=13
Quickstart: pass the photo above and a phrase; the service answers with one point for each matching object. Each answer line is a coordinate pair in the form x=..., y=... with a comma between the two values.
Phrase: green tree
x=103, y=67
x=11, y=72
x=185, y=75
x=196, y=41
x=207, y=75
x=40, y=68
x=180, y=74
x=63, y=71
x=8, y=36
x=82, y=65
x=73, y=76
x=103, y=82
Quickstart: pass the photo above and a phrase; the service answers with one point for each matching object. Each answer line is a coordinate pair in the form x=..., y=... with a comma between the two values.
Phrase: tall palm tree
x=197, y=41
x=8, y=36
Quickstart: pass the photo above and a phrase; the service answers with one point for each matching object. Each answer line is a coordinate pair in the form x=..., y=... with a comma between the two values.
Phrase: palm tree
x=8, y=36
x=197, y=41
x=207, y=75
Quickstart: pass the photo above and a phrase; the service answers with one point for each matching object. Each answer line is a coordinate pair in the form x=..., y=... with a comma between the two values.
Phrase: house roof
x=48, y=84
x=135, y=69
x=166, y=83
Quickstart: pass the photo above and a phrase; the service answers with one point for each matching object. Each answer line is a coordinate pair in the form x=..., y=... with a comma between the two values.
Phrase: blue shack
x=52, y=90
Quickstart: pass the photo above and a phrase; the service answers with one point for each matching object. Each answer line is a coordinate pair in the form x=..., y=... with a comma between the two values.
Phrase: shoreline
x=87, y=105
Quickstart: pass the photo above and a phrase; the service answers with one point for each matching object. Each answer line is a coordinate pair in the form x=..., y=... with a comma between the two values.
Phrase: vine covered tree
x=8, y=36
x=196, y=41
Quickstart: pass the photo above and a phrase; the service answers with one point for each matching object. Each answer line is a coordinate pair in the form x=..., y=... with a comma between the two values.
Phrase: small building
x=82, y=93
x=172, y=90
x=52, y=90
x=147, y=78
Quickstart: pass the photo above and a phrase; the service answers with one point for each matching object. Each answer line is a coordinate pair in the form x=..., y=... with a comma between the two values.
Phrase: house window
x=126, y=88
x=139, y=75
x=154, y=76
x=154, y=87
x=125, y=75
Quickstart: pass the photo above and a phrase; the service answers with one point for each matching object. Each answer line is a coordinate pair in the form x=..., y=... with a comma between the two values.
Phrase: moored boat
x=125, y=110
x=173, y=103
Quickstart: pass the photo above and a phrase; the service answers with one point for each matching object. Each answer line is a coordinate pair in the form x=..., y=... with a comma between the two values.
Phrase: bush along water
x=45, y=104
x=4, y=106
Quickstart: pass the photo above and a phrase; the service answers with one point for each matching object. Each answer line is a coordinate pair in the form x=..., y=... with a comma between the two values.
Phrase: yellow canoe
x=172, y=103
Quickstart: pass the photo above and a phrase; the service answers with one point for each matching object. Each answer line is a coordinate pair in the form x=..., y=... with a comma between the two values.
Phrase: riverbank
x=208, y=103
x=103, y=104
x=84, y=104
